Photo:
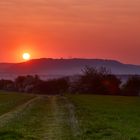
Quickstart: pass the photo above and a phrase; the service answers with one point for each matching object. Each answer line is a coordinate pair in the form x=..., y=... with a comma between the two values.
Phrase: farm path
x=41, y=118
x=6, y=117
x=62, y=123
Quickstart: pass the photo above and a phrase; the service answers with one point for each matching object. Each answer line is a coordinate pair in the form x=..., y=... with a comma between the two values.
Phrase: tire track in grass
x=57, y=125
x=58, y=120
x=72, y=119
x=62, y=123
x=5, y=118
x=29, y=123
x=8, y=101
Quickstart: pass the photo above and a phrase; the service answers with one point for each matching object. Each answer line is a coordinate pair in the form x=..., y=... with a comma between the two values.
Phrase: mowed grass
x=107, y=117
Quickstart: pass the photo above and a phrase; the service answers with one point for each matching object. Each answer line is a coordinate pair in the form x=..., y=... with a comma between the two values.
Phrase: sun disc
x=26, y=56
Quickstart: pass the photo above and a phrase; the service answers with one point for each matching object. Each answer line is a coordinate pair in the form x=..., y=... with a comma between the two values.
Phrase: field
x=71, y=117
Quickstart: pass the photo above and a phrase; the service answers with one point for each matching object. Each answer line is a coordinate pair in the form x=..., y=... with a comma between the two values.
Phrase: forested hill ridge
x=73, y=66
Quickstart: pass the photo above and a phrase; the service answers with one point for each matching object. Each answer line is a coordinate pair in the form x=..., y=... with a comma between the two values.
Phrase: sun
x=26, y=56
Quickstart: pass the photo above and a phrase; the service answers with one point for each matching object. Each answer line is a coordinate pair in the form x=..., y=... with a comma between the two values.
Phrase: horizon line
x=68, y=58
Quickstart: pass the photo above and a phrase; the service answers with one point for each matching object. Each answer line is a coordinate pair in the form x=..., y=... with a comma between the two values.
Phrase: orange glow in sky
x=70, y=28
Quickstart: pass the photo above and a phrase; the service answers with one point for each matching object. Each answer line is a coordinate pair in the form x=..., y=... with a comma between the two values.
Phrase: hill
x=50, y=66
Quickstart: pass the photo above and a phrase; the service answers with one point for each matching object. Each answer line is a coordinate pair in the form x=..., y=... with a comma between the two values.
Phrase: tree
x=132, y=86
x=54, y=86
x=96, y=81
x=111, y=84
x=27, y=83
x=7, y=85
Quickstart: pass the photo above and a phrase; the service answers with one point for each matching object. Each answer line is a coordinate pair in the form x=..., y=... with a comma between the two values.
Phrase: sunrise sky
x=107, y=29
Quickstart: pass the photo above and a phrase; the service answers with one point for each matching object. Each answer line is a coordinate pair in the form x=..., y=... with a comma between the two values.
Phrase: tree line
x=91, y=81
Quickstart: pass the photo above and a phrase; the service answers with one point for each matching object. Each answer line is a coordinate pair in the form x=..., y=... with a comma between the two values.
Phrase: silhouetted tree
x=132, y=86
x=19, y=83
x=27, y=83
x=7, y=85
x=55, y=86
x=96, y=81
x=111, y=84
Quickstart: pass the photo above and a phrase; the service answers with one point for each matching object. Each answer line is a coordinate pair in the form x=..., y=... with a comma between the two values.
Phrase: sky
x=107, y=29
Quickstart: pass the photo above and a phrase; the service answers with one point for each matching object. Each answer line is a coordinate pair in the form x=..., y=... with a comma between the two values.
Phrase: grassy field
x=38, y=118
x=74, y=117
x=108, y=117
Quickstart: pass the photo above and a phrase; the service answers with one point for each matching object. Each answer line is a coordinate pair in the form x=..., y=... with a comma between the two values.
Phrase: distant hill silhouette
x=50, y=66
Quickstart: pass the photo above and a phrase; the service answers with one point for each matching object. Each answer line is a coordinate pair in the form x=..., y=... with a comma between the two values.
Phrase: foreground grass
x=108, y=117
x=44, y=118
x=75, y=117
x=9, y=101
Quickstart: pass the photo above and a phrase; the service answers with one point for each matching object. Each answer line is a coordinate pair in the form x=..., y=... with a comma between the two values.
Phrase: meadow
x=70, y=117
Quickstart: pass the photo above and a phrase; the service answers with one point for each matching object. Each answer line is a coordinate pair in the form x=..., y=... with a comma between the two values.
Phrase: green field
x=73, y=117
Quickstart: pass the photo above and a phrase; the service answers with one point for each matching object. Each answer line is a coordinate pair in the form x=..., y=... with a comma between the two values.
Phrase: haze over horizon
x=102, y=29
